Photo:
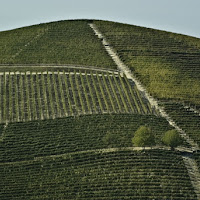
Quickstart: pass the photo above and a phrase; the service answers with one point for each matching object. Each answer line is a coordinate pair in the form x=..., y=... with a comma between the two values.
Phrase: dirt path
x=105, y=150
x=123, y=68
x=78, y=67
x=193, y=173
x=50, y=72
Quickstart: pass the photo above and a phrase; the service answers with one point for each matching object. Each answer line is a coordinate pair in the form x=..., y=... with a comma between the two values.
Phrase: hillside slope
x=64, y=42
x=68, y=112
x=168, y=64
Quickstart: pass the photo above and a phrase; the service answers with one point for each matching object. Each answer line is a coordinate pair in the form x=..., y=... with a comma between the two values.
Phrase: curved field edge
x=34, y=95
x=155, y=174
x=27, y=140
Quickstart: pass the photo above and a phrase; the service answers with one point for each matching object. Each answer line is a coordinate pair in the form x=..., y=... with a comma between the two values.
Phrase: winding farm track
x=105, y=150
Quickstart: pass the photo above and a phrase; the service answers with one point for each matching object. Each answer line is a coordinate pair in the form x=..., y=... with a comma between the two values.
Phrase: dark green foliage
x=186, y=119
x=143, y=137
x=154, y=174
x=50, y=94
x=166, y=63
x=172, y=139
x=111, y=139
x=24, y=141
x=197, y=158
x=64, y=42
x=1, y=130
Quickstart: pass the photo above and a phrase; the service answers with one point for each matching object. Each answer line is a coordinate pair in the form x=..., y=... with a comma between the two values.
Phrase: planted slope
x=185, y=119
x=26, y=140
x=31, y=96
x=112, y=175
x=63, y=42
x=197, y=158
x=168, y=64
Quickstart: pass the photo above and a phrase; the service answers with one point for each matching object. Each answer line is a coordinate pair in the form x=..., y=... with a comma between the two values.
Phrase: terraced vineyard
x=69, y=109
x=197, y=158
x=166, y=63
x=93, y=175
x=43, y=95
x=64, y=42
x=186, y=119
x=74, y=134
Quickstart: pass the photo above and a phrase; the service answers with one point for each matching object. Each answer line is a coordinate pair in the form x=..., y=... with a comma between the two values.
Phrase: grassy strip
x=1, y=102
x=96, y=91
x=102, y=92
x=74, y=93
x=68, y=96
x=79, y=93
x=120, y=93
x=22, y=106
x=10, y=109
x=41, y=114
x=91, y=93
x=56, y=94
x=126, y=93
x=108, y=92
x=62, y=92
x=4, y=99
x=16, y=98
x=49, y=83
x=33, y=97
x=114, y=92
x=45, y=95
x=28, y=97
x=140, y=100
x=132, y=94
x=85, y=92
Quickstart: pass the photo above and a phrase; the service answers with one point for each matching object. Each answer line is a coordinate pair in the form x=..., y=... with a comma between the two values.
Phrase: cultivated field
x=166, y=63
x=122, y=174
x=70, y=108
x=30, y=96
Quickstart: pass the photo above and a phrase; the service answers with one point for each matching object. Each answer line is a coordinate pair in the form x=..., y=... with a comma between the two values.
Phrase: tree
x=112, y=139
x=143, y=137
x=172, y=139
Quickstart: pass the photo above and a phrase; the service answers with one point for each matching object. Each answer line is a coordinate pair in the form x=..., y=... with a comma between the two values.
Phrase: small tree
x=143, y=137
x=172, y=139
x=111, y=139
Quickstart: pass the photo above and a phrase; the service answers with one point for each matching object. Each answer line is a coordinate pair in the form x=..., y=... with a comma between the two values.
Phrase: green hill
x=168, y=64
x=69, y=109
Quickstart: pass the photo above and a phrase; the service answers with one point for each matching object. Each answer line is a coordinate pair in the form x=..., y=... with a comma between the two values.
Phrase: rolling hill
x=74, y=92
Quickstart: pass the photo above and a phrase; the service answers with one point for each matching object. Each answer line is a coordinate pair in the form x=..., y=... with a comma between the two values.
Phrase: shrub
x=172, y=139
x=143, y=137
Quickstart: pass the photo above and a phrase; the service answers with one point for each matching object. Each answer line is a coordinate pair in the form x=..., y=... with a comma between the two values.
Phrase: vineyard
x=30, y=96
x=186, y=119
x=197, y=158
x=27, y=140
x=166, y=63
x=64, y=42
x=71, y=114
x=110, y=175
